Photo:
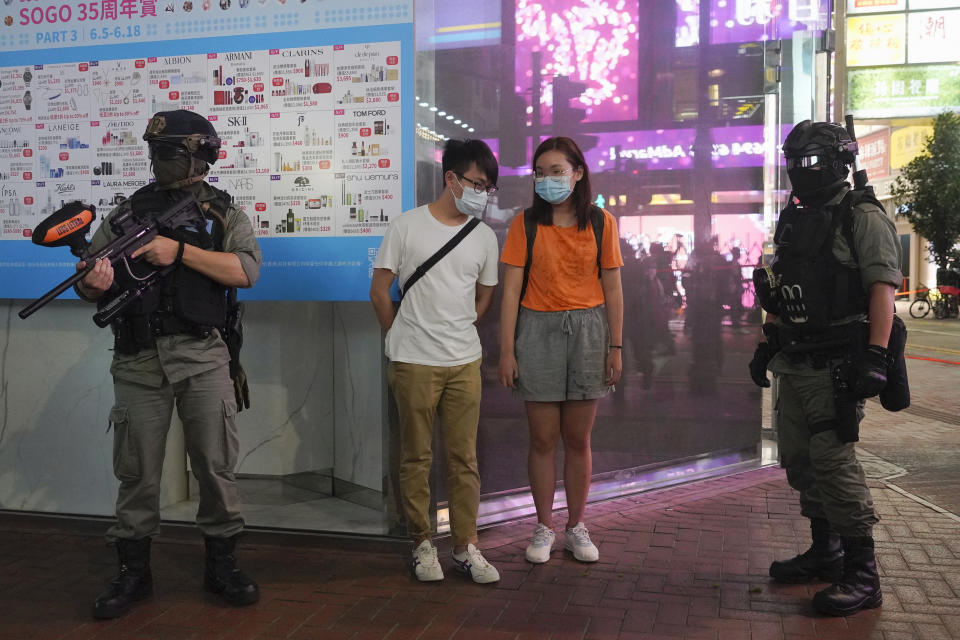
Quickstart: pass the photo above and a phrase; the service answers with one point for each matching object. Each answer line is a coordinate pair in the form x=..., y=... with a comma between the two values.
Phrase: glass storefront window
x=680, y=109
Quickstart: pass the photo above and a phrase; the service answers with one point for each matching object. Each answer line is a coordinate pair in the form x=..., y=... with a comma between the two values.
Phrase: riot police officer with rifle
x=829, y=294
x=169, y=347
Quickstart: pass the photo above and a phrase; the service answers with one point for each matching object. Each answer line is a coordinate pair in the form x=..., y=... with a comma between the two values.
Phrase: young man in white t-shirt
x=434, y=349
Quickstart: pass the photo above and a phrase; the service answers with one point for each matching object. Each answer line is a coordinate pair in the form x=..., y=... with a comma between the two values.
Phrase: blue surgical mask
x=553, y=189
x=471, y=203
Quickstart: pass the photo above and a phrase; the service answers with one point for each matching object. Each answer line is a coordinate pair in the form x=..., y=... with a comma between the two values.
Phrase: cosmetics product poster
x=367, y=138
x=119, y=150
x=178, y=82
x=237, y=82
x=63, y=150
x=303, y=204
x=301, y=78
x=250, y=192
x=16, y=210
x=62, y=92
x=17, y=91
x=17, y=155
x=368, y=201
x=119, y=89
x=314, y=112
x=244, y=143
x=301, y=141
x=367, y=74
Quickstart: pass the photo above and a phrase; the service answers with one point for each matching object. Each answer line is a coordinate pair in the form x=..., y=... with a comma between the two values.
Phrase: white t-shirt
x=435, y=325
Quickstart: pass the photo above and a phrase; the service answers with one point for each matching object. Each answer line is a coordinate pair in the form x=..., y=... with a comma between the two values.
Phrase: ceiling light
x=470, y=129
x=441, y=113
x=464, y=125
x=450, y=117
x=457, y=121
x=424, y=104
x=433, y=108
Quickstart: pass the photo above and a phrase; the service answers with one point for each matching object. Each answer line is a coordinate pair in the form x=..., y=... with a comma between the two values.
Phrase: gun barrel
x=53, y=293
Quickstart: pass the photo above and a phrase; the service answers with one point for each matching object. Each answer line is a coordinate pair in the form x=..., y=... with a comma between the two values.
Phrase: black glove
x=240, y=388
x=870, y=372
x=758, y=366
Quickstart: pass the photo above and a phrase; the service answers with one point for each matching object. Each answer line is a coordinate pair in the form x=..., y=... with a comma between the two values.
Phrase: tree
x=928, y=190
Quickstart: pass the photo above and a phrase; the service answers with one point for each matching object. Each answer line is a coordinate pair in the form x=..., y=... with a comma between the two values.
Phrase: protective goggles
x=165, y=151
x=192, y=142
x=806, y=162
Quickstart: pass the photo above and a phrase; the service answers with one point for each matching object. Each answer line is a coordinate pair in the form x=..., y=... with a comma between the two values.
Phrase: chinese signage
x=932, y=36
x=875, y=6
x=875, y=40
x=907, y=143
x=891, y=92
x=874, y=155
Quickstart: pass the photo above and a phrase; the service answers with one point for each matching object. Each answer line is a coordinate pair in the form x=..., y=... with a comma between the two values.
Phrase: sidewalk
x=686, y=562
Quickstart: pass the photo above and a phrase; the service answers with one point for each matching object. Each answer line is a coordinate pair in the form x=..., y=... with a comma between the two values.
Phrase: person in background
x=561, y=332
x=434, y=349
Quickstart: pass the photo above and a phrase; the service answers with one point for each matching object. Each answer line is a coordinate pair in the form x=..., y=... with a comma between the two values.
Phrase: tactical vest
x=812, y=289
x=185, y=300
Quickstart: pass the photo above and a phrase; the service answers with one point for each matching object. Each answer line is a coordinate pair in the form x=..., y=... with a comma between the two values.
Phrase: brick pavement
x=686, y=562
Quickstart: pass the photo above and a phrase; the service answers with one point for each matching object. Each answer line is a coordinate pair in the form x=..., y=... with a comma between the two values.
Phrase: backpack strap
x=530, y=230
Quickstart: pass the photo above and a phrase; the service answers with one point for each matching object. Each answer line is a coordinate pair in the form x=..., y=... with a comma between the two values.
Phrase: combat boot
x=222, y=576
x=822, y=562
x=133, y=582
x=859, y=588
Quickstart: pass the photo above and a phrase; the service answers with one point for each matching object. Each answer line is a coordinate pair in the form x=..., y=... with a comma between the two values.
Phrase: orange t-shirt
x=563, y=273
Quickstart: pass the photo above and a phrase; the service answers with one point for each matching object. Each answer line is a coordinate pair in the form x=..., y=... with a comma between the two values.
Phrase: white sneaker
x=538, y=551
x=472, y=563
x=425, y=563
x=577, y=541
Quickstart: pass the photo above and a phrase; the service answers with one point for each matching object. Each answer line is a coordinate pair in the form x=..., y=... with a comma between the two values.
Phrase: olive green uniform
x=194, y=373
x=823, y=469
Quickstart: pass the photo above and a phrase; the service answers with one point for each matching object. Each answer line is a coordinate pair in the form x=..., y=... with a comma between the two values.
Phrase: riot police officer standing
x=169, y=349
x=829, y=294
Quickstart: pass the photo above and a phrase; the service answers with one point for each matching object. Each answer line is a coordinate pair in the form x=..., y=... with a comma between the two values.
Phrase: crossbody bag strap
x=436, y=257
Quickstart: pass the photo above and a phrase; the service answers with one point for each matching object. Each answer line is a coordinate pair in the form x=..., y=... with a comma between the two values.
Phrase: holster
x=896, y=395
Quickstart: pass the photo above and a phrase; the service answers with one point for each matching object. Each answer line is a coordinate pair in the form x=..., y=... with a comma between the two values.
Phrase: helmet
x=821, y=140
x=183, y=128
x=817, y=157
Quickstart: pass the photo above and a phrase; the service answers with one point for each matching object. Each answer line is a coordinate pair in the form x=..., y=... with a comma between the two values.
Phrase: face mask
x=169, y=171
x=470, y=203
x=813, y=187
x=553, y=189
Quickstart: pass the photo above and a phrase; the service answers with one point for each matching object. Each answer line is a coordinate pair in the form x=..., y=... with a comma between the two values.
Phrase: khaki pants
x=421, y=392
x=141, y=419
x=824, y=470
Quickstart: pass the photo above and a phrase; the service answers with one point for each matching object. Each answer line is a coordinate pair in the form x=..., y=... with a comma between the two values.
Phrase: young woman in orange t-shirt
x=560, y=346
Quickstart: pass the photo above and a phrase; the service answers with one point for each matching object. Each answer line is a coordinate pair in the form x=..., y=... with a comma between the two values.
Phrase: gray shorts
x=561, y=355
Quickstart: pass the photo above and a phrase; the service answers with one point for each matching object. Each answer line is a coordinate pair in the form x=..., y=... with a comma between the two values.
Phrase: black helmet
x=818, y=141
x=183, y=128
